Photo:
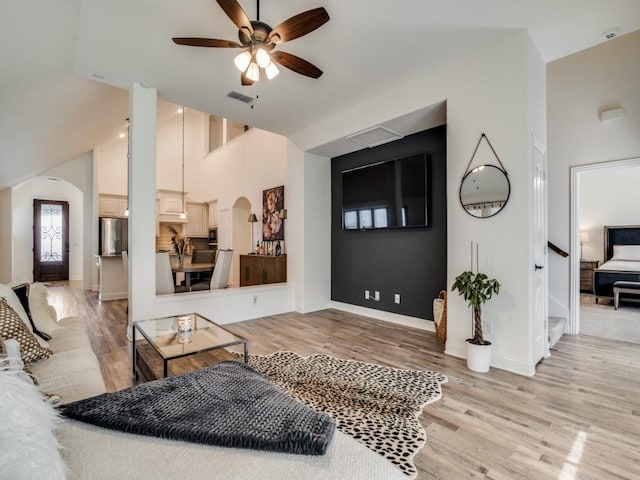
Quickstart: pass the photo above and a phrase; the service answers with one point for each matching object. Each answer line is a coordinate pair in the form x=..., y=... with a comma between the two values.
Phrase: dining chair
x=220, y=276
x=202, y=256
x=164, y=277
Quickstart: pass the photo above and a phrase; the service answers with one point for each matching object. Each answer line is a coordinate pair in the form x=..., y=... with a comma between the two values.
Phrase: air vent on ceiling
x=373, y=136
x=239, y=96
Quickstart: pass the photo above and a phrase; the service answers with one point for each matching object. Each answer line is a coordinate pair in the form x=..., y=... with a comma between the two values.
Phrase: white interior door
x=540, y=317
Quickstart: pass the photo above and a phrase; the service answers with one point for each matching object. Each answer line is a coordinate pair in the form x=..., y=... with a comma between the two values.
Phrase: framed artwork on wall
x=272, y=204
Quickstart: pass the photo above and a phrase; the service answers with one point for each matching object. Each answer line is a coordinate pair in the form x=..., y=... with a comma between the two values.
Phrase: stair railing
x=557, y=249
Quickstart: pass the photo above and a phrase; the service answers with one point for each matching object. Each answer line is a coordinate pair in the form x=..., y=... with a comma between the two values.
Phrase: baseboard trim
x=514, y=366
x=112, y=296
x=405, y=320
x=313, y=308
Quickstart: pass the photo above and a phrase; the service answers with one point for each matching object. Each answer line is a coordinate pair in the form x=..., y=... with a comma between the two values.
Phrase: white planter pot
x=478, y=357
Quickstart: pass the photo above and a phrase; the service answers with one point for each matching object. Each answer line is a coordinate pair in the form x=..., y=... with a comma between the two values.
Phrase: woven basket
x=440, y=316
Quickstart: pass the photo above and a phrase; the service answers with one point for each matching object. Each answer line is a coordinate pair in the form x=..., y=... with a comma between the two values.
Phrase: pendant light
x=183, y=215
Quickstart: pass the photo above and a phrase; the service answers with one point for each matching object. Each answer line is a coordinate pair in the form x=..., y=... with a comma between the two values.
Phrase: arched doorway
x=241, y=236
x=23, y=196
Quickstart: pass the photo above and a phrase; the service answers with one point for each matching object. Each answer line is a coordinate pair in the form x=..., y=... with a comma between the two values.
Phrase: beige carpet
x=602, y=320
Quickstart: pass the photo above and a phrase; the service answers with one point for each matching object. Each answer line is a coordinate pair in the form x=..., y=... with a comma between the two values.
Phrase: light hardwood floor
x=577, y=418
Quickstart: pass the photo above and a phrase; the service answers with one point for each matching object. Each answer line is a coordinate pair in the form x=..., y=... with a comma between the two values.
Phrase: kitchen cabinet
x=262, y=269
x=170, y=202
x=112, y=205
x=197, y=220
x=112, y=277
x=213, y=214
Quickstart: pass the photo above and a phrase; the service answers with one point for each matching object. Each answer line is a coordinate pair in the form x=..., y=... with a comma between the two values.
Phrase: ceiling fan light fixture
x=243, y=60
x=271, y=70
x=257, y=41
x=253, y=72
x=262, y=58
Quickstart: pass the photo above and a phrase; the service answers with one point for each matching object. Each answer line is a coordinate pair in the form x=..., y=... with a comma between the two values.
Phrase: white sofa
x=90, y=452
x=73, y=371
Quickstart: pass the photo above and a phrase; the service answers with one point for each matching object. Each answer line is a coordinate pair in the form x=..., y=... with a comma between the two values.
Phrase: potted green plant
x=477, y=288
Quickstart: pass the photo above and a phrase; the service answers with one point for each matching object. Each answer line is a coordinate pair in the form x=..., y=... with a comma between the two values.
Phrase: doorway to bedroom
x=604, y=194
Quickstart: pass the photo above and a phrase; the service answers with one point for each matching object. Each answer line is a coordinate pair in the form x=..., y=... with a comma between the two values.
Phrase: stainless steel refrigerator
x=114, y=234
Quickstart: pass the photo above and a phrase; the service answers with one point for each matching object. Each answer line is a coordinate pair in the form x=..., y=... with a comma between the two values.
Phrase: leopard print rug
x=378, y=406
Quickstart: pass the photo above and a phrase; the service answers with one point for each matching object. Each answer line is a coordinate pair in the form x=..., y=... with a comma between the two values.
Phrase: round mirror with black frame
x=484, y=191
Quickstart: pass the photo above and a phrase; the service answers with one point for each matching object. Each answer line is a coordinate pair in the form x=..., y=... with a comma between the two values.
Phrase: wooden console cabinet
x=262, y=269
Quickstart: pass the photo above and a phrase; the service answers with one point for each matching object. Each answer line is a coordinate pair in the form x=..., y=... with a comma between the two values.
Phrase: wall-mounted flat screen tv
x=388, y=194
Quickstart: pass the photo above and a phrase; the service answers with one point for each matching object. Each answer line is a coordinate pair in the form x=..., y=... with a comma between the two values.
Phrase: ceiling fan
x=259, y=41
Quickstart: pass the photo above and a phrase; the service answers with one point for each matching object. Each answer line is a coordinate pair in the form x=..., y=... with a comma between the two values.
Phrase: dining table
x=189, y=268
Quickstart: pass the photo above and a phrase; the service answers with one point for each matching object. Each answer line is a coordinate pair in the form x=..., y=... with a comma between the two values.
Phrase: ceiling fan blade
x=299, y=25
x=237, y=15
x=244, y=80
x=297, y=64
x=206, y=42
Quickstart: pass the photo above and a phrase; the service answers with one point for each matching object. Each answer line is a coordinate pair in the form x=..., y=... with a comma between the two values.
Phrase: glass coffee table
x=172, y=338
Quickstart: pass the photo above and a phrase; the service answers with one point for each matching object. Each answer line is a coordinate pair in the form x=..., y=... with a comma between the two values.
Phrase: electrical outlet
x=376, y=296
x=396, y=298
x=255, y=299
x=366, y=294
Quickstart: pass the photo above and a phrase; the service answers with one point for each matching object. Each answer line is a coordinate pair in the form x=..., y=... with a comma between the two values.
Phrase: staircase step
x=556, y=329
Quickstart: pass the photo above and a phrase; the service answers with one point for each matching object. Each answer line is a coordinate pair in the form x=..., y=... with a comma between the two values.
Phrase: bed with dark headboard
x=621, y=259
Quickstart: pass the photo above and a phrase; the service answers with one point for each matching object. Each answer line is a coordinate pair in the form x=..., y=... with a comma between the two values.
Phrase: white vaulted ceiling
x=65, y=65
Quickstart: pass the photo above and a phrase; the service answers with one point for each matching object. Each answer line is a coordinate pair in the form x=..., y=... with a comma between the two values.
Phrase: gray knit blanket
x=229, y=404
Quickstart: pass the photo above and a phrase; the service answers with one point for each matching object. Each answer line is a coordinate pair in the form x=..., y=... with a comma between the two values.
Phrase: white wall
x=112, y=156
x=80, y=172
x=491, y=91
x=308, y=229
x=142, y=191
x=44, y=188
x=609, y=197
x=240, y=237
x=244, y=167
x=169, y=153
x=112, y=167
x=579, y=87
x=76, y=187
x=6, y=261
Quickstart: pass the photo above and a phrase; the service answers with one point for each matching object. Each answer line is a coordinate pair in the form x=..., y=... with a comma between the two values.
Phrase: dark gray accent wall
x=409, y=261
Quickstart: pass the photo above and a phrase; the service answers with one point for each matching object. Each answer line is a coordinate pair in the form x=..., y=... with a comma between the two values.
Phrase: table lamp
x=252, y=219
x=584, y=238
